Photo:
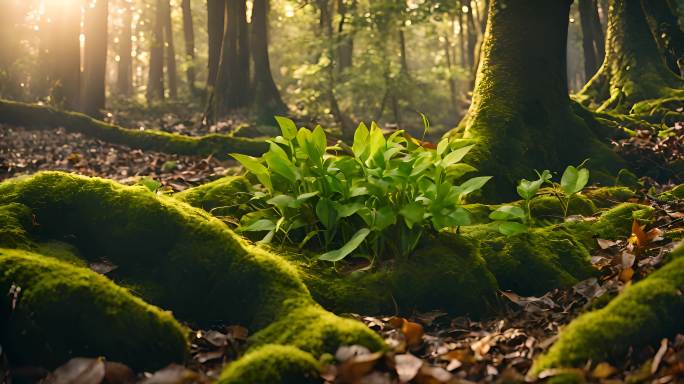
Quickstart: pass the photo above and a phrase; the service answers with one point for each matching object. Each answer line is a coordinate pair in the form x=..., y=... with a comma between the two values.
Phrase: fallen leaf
x=78, y=371
x=352, y=370
x=603, y=371
x=626, y=275
x=407, y=366
x=173, y=374
x=605, y=244
x=117, y=373
x=433, y=375
x=659, y=355
x=413, y=333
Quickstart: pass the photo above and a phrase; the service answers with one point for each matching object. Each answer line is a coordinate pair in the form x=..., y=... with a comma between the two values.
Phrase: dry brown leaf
x=117, y=373
x=659, y=355
x=78, y=371
x=605, y=244
x=433, y=375
x=626, y=275
x=603, y=371
x=407, y=366
x=173, y=374
x=413, y=332
x=352, y=370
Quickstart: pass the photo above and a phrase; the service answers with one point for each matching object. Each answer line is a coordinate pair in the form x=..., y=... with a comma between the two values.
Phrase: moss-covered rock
x=547, y=207
x=676, y=193
x=14, y=218
x=64, y=311
x=609, y=196
x=643, y=313
x=33, y=116
x=160, y=244
x=273, y=364
x=226, y=195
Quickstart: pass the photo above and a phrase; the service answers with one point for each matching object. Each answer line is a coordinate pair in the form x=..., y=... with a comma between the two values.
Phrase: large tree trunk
x=124, y=76
x=93, y=96
x=667, y=32
x=521, y=117
x=591, y=61
x=267, y=100
x=232, y=82
x=155, y=81
x=633, y=70
x=189, y=35
x=171, y=71
x=216, y=19
x=65, y=55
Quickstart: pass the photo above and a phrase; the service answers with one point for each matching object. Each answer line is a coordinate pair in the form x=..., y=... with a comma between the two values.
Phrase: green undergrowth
x=63, y=311
x=642, y=314
x=33, y=116
x=160, y=244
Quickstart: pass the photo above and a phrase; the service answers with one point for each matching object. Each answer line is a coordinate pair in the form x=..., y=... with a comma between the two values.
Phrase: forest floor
x=424, y=348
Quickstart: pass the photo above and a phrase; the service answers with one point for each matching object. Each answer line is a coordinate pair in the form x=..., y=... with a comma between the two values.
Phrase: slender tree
x=155, y=81
x=189, y=35
x=216, y=15
x=65, y=54
x=267, y=98
x=345, y=33
x=521, y=117
x=591, y=59
x=124, y=76
x=633, y=70
x=95, y=58
x=170, y=48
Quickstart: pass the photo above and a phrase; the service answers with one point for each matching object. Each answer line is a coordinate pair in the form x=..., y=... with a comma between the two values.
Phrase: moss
x=549, y=207
x=14, y=219
x=617, y=222
x=534, y=263
x=255, y=131
x=273, y=364
x=676, y=193
x=643, y=313
x=445, y=272
x=479, y=213
x=160, y=244
x=102, y=319
x=609, y=196
x=226, y=195
x=34, y=116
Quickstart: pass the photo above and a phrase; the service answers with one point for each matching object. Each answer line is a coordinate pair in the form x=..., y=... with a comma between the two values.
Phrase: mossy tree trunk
x=633, y=70
x=669, y=35
x=521, y=116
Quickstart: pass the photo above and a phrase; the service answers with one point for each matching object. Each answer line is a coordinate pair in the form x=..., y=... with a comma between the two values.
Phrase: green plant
x=377, y=197
x=514, y=219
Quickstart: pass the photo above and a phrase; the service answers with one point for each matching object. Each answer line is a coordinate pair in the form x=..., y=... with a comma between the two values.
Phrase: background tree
x=189, y=35
x=170, y=48
x=216, y=13
x=124, y=77
x=521, y=116
x=667, y=31
x=95, y=58
x=155, y=82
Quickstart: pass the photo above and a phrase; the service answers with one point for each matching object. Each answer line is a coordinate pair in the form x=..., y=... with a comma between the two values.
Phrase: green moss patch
x=643, y=313
x=226, y=195
x=273, y=364
x=64, y=311
x=34, y=116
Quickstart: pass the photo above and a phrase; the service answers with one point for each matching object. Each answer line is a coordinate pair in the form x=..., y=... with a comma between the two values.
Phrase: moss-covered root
x=160, y=244
x=273, y=364
x=62, y=311
x=643, y=313
x=33, y=116
x=224, y=196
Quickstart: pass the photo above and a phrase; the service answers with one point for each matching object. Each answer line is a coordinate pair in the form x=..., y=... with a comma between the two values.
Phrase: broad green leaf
x=507, y=212
x=510, y=228
x=528, y=189
x=287, y=126
x=456, y=171
x=346, y=210
x=258, y=226
x=442, y=146
x=318, y=140
x=361, y=146
x=280, y=201
x=267, y=239
x=348, y=248
x=472, y=185
x=458, y=217
x=384, y=217
x=149, y=183
x=455, y=156
x=376, y=140
x=326, y=213
x=574, y=180
x=358, y=191
x=250, y=163
x=301, y=199
x=413, y=214
x=278, y=162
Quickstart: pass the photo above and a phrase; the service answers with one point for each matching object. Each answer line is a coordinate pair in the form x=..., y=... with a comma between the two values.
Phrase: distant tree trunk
x=591, y=61
x=155, y=81
x=8, y=51
x=633, y=70
x=599, y=36
x=345, y=47
x=402, y=52
x=66, y=56
x=450, y=66
x=171, y=69
x=667, y=32
x=472, y=35
x=95, y=62
x=521, y=117
x=216, y=18
x=124, y=76
x=485, y=15
x=462, y=39
x=189, y=34
x=232, y=82
x=267, y=100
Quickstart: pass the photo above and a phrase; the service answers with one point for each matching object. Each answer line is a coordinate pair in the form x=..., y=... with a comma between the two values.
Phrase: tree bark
x=155, y=81
x=189, y=35
x=472, y=35
x=65, y=56
x=216, y=18
x=233, y=82
x=93, y=96
x=521, y=117
x=171, y=68
x=589, y=49
x=267, y=100
x=124, y=77
x=345, y=48
x=633, y=70
x=667, y=32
